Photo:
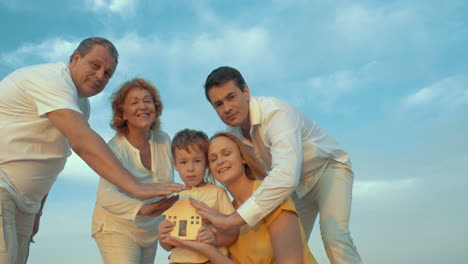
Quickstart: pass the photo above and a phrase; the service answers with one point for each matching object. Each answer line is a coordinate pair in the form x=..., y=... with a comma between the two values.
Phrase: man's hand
x=157, y=208
x=224, y=223
x=37, y=221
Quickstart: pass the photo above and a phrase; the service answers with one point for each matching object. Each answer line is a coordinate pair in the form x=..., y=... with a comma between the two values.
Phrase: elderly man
x=302, y=160
x=43, y=112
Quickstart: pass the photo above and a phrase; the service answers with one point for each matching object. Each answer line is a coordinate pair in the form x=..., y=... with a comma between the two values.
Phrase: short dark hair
x=221, y=76
x=87, y=44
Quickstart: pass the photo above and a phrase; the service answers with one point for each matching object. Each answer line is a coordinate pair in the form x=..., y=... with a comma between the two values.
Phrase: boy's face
x=191, y=166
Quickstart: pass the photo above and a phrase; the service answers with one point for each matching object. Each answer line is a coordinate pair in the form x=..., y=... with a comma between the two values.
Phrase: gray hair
x=87, y=44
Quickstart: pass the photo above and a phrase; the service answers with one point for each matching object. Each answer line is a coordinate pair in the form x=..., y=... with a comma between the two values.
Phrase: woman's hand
x=147, y=191
x=211, y=252
x=157, y=208
x=190, y=244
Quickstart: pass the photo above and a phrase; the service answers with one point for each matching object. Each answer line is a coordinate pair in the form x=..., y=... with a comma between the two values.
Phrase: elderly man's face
x=91, y=72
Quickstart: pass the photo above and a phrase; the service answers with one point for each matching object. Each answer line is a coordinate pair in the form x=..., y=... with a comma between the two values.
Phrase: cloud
x=449, y=92
x=49, y=50
x=121, y=7
x=77, y=170
x=329, y=88
x=382, y=190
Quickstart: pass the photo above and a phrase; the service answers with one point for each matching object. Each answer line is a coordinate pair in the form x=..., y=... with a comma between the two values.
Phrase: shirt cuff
x=251, y=212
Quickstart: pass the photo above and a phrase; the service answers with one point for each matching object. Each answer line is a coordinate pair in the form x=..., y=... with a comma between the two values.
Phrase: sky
x=387, y=79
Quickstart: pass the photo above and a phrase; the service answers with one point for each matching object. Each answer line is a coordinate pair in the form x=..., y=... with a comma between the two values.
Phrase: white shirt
x=292, y=148
x=116, y=211
x=32, y=149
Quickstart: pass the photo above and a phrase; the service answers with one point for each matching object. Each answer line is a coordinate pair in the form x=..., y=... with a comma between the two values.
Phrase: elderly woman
x=125, y=228
x=278, y=238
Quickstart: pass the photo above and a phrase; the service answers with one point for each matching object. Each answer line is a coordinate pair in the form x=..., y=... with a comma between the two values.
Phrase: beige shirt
x=292, y=148
x=117, y=211
x=32, y=151
x=213, y=196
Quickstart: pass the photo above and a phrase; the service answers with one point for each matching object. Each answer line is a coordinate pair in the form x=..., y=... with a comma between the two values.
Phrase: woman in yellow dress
x=278, y=238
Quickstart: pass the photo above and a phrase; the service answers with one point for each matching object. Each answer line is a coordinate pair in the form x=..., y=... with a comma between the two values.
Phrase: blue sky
x=387, y=79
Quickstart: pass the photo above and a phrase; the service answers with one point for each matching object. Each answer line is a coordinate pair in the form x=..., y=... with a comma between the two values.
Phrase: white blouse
x=117, y=211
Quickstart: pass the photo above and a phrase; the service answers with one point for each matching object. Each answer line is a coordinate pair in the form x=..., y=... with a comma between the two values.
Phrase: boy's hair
x=189, y=139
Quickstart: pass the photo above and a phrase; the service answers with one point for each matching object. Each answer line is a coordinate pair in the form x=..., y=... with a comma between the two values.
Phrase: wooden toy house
x=187, y=221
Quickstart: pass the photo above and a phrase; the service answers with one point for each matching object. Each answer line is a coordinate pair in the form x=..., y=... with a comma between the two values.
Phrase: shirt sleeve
x=224, y=204
x=283, y=130
x=51, y=91
x=287, y=205
x=116, y=202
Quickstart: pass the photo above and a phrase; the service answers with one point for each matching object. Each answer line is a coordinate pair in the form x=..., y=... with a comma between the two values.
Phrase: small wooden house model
x=187, y=221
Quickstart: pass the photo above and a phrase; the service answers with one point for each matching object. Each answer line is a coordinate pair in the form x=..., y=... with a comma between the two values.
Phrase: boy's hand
x=164, y=230
x=206, y=235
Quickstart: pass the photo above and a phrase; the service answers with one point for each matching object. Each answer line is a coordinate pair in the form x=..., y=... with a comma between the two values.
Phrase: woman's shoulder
x=159, y=136
x=116, y=141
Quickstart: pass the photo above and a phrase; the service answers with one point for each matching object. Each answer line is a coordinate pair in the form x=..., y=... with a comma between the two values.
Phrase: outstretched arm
x=223, y=223
x=283, y=130
x=95, y=152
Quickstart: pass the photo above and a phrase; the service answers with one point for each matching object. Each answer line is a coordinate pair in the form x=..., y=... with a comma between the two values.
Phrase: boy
x=189, y=150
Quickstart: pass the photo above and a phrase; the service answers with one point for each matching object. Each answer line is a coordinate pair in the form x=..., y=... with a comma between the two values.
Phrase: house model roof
x=186, y=219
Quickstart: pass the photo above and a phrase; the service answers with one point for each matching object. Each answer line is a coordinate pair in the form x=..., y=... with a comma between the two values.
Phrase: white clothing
x=116, y=211
x=299, y=156
x=116, y=248
x=331, y=196
x=291, y=147
x=15, y=230
x=32, y=150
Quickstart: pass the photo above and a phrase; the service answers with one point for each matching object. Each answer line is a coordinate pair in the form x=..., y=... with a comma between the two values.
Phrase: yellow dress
x=254, y=243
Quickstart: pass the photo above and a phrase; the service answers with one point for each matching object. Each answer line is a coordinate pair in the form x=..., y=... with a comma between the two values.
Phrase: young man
x=43, y=112
x=301, y=159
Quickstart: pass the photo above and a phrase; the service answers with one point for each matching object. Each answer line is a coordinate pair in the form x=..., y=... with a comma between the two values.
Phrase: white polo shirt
x=292, y=148
x=32, y=151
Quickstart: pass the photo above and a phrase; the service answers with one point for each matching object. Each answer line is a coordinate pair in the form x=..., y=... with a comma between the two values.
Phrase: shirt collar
x=254, y=111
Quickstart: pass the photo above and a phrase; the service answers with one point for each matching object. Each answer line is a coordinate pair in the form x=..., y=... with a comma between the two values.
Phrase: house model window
x=187, y=221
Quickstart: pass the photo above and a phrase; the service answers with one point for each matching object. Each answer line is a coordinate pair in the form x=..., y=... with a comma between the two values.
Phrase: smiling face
x=231, y=104
x=191, y=165
x=91, y=72
x=138, y=109
x=225, y=160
